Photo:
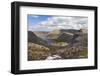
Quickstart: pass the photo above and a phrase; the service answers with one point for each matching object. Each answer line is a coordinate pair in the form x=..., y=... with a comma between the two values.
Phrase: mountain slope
x=80, y=40
x=35, y=39
x=65, y=37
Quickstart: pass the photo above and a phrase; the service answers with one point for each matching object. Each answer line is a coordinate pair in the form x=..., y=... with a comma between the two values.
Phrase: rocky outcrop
x=37, y=52
x=53, y=57
x=73, y=53
x=83, y=31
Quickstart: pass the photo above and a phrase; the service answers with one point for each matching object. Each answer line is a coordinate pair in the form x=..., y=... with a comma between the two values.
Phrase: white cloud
x=62, y=23
x=34, y=16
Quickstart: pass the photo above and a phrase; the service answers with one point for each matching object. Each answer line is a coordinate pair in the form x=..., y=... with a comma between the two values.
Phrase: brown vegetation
x=37, y=52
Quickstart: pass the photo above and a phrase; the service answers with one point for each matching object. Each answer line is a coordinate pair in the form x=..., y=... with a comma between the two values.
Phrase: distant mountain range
x=71, y=36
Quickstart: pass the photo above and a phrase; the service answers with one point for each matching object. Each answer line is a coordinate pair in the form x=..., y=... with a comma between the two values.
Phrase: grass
x=53, y=36
x=62, y=43
x=52, y=49
x=84, y=53
x=59, y=40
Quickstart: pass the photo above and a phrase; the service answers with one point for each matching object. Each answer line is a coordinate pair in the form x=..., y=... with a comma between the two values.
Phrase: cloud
x=62, y=23
x=34, y=16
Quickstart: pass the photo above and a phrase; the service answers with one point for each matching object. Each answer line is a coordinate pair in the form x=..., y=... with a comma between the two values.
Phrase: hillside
x=35, y=39
x=37, y=52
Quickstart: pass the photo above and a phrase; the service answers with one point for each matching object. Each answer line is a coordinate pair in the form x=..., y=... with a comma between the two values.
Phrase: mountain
x=71, y=36
x=66, y=43
x=65, y=37
x=41, y=34
x=54, y=34
x=83, y=31
x=73, y=31
x=80, y=39
x=35, y=39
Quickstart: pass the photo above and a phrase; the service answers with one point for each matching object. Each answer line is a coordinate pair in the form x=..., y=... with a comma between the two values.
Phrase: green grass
x=62, y=43
x=59, y=40
x=52, y=49
x=53, y=36
x=84, y=53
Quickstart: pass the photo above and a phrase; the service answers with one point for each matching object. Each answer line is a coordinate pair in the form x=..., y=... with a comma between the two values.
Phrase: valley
x=57, y=44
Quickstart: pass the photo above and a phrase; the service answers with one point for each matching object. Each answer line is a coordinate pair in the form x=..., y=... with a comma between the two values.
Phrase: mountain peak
x=83, y=30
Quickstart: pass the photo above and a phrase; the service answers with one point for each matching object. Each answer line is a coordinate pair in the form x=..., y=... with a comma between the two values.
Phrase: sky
x=49, y=23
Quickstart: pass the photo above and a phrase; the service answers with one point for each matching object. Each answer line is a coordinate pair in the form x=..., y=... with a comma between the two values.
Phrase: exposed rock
x=54, y=57
x=33, y=46
x=83, y=30
x=71, y=52
x=37, y=52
